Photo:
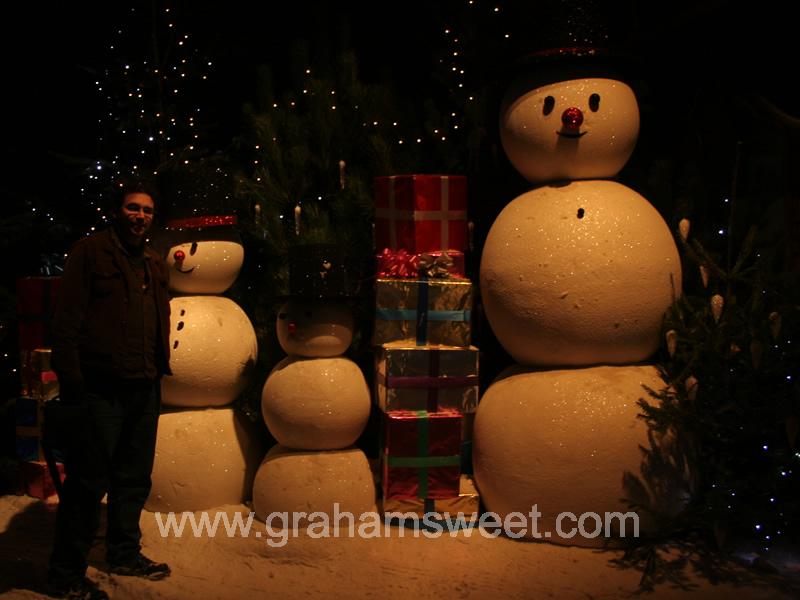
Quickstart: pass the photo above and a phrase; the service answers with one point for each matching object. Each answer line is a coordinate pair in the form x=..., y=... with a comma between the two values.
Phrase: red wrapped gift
x=421, y=213
x=421, y=455
x=36, y=479
x=36, y=300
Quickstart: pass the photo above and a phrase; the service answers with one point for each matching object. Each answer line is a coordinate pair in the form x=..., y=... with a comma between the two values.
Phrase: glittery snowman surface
x=579, y=274
x=213, y=346
x=206, y=267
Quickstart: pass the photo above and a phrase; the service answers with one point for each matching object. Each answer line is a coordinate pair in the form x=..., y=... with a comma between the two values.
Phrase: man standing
x=110, y=347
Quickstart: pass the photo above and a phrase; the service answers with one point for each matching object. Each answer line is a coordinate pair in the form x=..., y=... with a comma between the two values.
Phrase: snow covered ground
x=390, y=566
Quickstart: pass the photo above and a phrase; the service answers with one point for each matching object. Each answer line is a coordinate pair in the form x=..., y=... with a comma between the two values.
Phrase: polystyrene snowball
x=296, y=481
x=579, y=274
x=569, y=441
x=204, y=267
x=314, y=328
x=212, y=349
x=204, y=458
x=542, y=148
x=316, y=403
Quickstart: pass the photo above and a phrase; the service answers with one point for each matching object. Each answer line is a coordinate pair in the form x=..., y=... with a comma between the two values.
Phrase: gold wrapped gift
x=34, y=363
x=423, y=311
x=426, y=378
x=44, y=387
x=40, y=360
x=467, y=502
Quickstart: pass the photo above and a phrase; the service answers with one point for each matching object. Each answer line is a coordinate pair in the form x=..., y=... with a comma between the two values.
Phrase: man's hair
x=134, y=186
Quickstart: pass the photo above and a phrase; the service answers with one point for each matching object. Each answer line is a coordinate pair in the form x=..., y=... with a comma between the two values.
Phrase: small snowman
x=577, y=274
x=315, y=402
x=206, y=453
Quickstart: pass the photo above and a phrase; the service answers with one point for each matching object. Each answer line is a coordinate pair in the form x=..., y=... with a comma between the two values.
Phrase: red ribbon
x=204, y=221
x=398, y=264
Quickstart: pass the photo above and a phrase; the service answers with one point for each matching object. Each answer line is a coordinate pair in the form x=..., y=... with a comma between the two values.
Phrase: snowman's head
x=315, y=328
x=204, y=254
x=204, y=267
x=573, y=129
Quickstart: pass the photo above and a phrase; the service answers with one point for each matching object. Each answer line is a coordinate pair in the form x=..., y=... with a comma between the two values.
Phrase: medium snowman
x=576, y=275
x=315, y=402
x=206, y=453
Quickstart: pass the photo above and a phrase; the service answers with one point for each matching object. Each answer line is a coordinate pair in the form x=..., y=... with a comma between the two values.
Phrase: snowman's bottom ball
x=568, y=441
x=204, y=458
x=295, y=481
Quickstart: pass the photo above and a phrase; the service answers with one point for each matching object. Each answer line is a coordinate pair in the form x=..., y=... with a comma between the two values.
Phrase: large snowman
x=206, y=452
x=315, y=402
x=575, y=276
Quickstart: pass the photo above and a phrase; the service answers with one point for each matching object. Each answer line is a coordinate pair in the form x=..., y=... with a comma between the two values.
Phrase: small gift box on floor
x=423, y=311
x=426, y=378
x=421, y=454
x=36, y=480
x=421, y=213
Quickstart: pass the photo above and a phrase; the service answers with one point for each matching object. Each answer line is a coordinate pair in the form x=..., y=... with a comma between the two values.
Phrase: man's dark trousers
x=109, y=449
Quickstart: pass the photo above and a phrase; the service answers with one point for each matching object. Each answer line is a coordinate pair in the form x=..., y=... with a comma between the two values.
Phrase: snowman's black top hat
x=570, y=40
x=319, y=272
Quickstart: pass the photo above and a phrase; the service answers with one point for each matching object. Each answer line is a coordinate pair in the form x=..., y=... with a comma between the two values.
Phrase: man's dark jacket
x=93, y=306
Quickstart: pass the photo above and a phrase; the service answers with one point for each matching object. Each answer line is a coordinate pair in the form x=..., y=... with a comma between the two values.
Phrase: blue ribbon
x=422, y=313
x=409, y=314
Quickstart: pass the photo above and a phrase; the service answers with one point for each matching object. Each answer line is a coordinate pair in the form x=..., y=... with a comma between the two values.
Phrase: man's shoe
x=82, y=589
x=141, y=566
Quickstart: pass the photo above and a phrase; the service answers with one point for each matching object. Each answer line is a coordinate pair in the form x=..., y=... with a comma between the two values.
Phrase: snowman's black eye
x=594, y=102
x=193, y=249
x=549, y=105
x=581, y=212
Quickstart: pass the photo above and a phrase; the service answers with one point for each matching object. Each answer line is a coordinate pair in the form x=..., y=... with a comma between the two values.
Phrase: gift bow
x=401, y=264
x=433, y=266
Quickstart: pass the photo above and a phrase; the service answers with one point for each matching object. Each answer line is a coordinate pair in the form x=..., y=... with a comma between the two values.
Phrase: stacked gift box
x=426, y=382
x=35, y=478
x=29, y=409
x=36, y=297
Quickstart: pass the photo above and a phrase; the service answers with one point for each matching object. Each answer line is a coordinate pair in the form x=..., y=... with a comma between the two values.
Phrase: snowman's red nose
x=292, y=326
x=572, y=117
x=179, y=255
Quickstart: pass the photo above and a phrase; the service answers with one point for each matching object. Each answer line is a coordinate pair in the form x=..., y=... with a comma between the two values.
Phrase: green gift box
x=421, y=454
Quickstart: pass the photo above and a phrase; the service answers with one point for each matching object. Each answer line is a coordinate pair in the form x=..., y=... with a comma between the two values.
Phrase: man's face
x=136, y=214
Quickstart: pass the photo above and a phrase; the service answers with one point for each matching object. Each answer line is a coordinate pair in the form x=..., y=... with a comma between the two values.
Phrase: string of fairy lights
x=151, y=114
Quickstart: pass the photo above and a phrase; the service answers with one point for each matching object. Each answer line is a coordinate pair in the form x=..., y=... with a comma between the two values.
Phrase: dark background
x=49, y=52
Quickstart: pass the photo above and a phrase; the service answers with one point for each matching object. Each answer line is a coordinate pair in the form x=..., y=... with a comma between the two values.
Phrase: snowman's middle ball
x=579, y=274
x=315, y=328
x=316, y=403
